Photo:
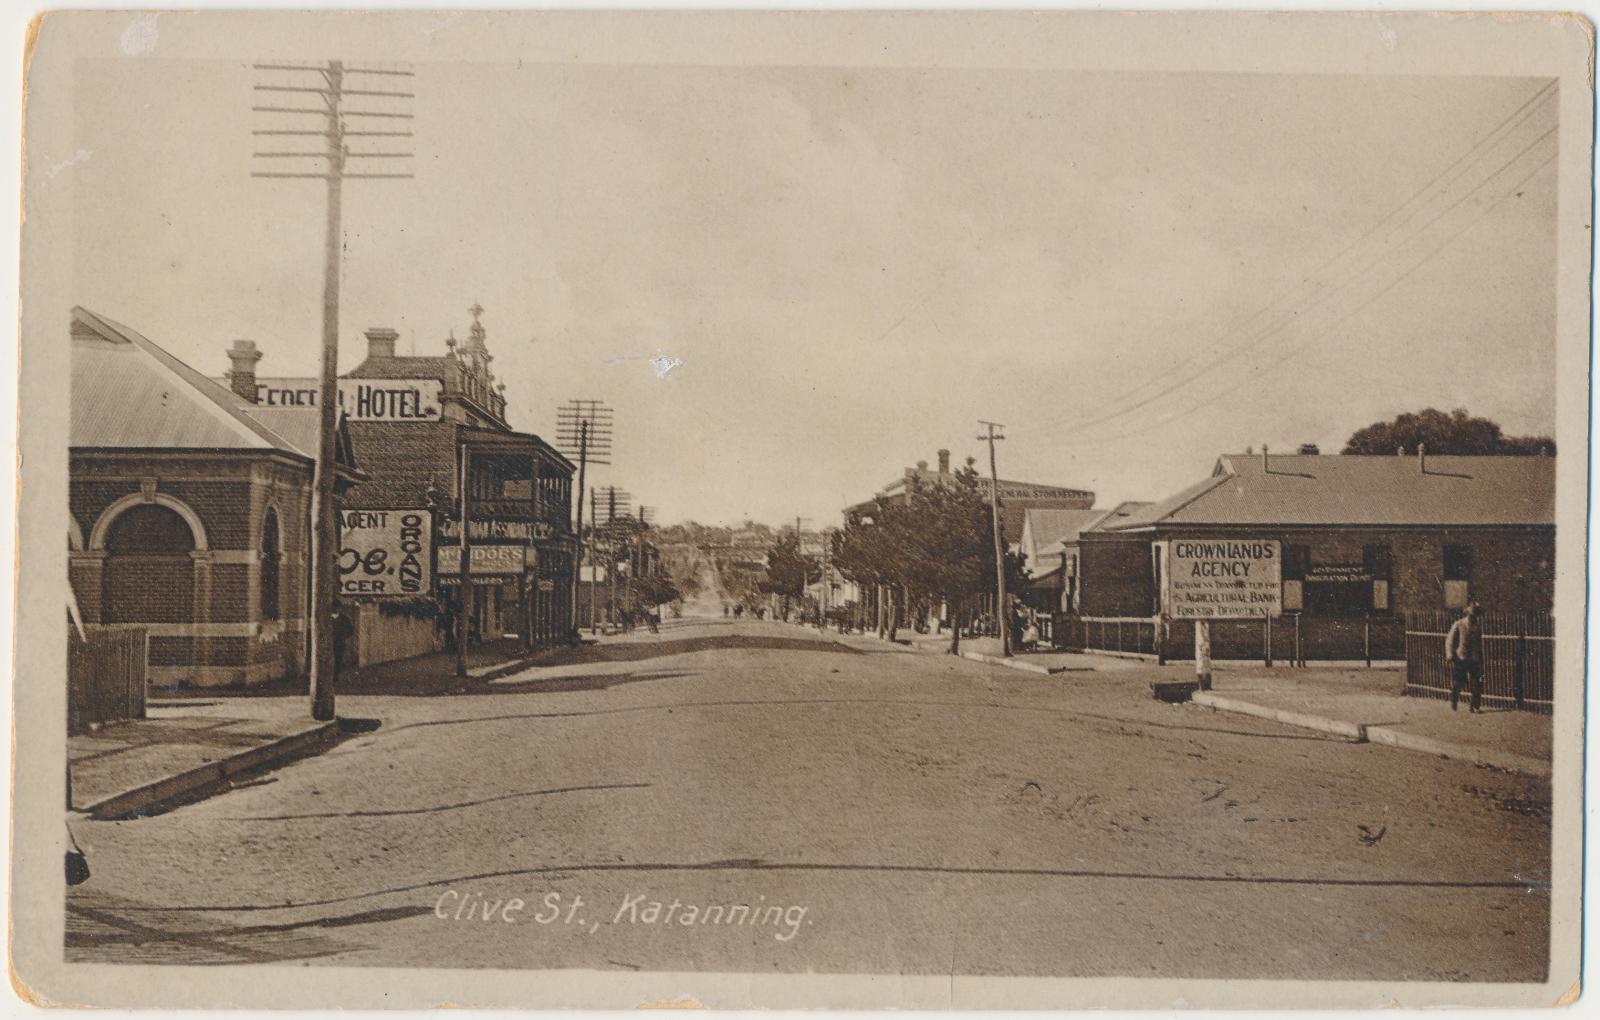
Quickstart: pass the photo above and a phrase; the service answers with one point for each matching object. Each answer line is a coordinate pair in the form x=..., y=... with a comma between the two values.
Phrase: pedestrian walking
x=1463, y=647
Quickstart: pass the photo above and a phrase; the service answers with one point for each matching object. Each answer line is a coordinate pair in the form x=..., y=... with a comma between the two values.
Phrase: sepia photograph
x=910, y=510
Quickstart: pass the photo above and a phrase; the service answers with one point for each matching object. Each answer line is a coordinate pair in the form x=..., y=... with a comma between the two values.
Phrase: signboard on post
x=384, y=552
x=1221, y=579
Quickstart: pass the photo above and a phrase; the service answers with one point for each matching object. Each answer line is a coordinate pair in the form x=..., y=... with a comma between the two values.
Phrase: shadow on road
x=653, y=648
x=570, y=684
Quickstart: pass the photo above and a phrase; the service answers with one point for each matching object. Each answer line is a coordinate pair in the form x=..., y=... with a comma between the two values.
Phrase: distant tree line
x=1456, y=433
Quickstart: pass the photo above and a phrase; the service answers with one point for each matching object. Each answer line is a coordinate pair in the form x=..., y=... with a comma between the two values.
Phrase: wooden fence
x=1518, y=653
x=105, y=675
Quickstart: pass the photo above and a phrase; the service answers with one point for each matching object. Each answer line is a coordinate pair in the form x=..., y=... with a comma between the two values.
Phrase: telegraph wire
x=1454, y=171
x=1295, y=351
x=1256, y=339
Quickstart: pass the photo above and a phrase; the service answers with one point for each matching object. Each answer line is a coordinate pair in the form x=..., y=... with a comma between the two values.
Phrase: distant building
x=1016, y=501
x=190, y=510
x=1049, y=546
x=1016, y=498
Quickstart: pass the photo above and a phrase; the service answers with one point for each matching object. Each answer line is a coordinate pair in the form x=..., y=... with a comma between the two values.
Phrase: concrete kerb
x=1388, y=736
x=984, y=657
x=1356, y=732
x=1023, y=664
x=1392, y=737
x=150, y=796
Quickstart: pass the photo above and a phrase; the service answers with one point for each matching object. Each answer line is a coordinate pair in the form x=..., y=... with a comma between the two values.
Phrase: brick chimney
x=242, y=376
x=944, y=462
x=380, y=342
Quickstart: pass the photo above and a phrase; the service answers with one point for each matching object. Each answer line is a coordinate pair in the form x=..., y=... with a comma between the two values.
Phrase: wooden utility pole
x=464, y=617
x=1000, y=611
x=322, y=665
x=583, y=431
x=583, y=463
x=594, y=561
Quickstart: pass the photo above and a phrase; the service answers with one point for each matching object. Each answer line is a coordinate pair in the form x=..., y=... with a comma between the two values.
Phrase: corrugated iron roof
x=1331, y=490
x=1046, y=526
x=129, y=393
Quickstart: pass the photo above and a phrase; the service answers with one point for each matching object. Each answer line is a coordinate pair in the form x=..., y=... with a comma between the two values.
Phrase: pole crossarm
x=322, y=626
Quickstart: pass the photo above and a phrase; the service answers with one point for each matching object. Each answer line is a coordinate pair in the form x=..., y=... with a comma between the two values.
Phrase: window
x=1378, y=562
x=1457, y=575
x=148, y=575
x=149, y=530
x=1296, y=565
x=269, y=567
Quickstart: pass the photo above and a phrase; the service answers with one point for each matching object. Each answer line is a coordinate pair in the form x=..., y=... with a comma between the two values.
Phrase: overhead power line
x=1295, y=350
x=1436, y=188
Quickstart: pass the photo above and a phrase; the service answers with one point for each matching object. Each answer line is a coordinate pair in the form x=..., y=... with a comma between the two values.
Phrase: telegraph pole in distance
x=800, y=557
x=616, y=500
x=583, y=430
x=991, y=437
x=329, y=166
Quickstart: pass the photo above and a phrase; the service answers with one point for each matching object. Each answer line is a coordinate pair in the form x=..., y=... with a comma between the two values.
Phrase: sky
x=848, y=268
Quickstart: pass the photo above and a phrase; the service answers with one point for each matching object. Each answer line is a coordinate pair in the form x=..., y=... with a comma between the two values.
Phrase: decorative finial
x=476, y=310
x=450, y=341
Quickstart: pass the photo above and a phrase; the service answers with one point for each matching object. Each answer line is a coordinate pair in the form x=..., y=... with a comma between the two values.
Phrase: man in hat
x=1463, y=646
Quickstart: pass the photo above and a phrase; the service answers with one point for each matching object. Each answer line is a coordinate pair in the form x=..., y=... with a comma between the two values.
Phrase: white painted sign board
x=384, y=552
x=397, y=400
x=1221, y=579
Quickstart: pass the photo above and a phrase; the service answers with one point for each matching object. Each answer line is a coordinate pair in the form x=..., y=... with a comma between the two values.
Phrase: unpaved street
x=874, y=809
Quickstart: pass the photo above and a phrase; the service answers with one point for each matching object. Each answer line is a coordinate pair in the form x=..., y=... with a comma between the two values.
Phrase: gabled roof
x=1110, y=519
x=1332, y=490
x=130, y=393
x=1045, y=526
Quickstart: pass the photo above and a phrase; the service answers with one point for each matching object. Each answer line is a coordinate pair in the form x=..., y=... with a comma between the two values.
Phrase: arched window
x=149, y=575
x=151, y=529
x=269, y=566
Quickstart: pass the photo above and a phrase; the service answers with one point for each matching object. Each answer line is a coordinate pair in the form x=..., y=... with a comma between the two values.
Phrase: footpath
x=200, y=741
x=1367, y=706
x=987, y=649
x=1360, y=705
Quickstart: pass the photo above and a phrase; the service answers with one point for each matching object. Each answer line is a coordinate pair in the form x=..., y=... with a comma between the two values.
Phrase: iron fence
x=1518, y=654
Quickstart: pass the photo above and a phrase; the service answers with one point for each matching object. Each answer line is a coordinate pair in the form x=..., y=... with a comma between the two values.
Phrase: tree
x=936, y=542
x=650, y=591
x=1455, y=433
x=788, y=569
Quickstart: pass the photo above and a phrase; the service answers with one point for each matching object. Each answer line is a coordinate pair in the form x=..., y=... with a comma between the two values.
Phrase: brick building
x=190, y=510
x=414, y=422
x=1365, y=540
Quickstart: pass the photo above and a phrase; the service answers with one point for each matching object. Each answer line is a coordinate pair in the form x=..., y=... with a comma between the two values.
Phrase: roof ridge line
x=200, y=383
